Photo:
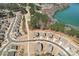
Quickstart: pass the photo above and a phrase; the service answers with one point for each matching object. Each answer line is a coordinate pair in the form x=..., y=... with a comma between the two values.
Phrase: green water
x=70, y=15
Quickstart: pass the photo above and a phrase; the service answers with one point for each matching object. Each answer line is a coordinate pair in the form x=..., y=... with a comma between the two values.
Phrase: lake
x=69, y=15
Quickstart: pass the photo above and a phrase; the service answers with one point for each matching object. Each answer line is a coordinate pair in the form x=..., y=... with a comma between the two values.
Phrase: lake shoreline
x=70, y=25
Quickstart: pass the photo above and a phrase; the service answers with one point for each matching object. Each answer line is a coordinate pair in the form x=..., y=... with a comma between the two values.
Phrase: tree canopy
x=61, y=27
x=38, y=19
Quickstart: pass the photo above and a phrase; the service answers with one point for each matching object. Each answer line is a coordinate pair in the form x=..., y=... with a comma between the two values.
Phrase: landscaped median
x=24, y=25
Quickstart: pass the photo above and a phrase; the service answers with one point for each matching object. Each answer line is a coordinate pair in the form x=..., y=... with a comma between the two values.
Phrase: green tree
x=33, y=8
x=57, y=27
x=38, y=19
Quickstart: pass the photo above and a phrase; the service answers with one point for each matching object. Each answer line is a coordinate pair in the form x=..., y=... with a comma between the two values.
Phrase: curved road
x=44, y=41
x=9, y=39
x=14, y=41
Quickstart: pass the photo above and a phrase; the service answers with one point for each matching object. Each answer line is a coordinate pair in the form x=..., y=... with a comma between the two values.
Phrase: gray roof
x=12, y=53
x=38, y=48
x=49, y=48
x=61, y=54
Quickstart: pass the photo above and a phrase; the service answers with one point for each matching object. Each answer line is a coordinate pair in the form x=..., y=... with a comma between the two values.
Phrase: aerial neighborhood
x=35, y=29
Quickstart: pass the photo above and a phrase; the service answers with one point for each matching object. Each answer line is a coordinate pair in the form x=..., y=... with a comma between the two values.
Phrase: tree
x=33, y=8
x=38, y=20
x=11, y=14
x=57, y=27
x=23, y=4
x=23, y=10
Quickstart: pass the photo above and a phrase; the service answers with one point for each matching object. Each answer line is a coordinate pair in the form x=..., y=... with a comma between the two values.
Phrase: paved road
x=1, y=51
x=27, y=26
x=14, y=41
x=8, y=35
x=44, y=41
